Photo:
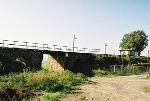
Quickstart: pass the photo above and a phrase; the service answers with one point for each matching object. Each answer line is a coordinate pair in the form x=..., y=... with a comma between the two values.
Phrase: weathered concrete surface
x=33, y=57
x=54, y=65
x=68, y=60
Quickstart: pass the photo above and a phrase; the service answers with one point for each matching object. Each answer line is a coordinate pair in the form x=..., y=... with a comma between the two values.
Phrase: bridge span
x=32, y=55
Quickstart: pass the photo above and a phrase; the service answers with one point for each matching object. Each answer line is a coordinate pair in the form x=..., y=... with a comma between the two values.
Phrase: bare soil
x=15, y=94
x=122, y=88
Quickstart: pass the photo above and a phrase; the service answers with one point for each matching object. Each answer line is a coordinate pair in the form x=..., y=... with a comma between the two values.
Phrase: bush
x=41, y=81
x=50, y=96
x=14, y=79
x=55, y=81
x=100, y=72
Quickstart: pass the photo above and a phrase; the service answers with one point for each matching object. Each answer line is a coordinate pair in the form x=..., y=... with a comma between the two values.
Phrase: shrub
x=100, y=72
x=50, y=96
x=15, y=79
x=56, y=81
x=38, y=77
x=42, y=81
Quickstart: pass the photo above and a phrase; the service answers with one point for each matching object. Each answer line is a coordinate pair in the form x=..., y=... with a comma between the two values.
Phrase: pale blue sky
x=94, y=22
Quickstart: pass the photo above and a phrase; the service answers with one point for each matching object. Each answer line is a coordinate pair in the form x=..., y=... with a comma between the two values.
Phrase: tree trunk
x=139, y=53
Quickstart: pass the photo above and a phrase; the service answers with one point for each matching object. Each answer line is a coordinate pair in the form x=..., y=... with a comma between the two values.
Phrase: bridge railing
x=38, y=46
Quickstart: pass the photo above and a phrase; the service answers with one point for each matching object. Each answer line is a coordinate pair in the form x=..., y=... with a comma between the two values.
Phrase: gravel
x=122, y=88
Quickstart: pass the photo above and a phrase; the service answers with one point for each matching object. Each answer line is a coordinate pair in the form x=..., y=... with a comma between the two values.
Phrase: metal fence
x=130, y=69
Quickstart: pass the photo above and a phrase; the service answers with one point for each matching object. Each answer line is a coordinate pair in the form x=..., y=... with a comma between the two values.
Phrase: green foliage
x=136, y=40
x=147, y=89
x=51, y=96
x=128, y=70
x=56, y=81
x=14, y=79
x=42, y=80
x=104, y=62
x=101, y=73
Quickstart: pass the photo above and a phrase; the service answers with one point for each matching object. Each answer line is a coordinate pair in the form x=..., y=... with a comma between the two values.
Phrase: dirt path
x=123, y=88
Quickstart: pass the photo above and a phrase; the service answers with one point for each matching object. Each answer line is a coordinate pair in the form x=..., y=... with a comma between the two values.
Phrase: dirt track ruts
x=122, y=88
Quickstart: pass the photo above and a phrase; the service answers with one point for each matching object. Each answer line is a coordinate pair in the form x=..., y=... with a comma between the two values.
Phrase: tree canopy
x=136, y=40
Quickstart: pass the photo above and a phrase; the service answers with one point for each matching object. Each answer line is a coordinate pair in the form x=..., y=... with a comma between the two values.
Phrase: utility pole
x=148, y=53
x=74, y=41
x=105, y=47
x=148, y=64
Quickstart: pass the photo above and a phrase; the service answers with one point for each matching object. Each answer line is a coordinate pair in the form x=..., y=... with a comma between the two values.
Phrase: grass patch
x=83, y=98
x=51, y=96
x=56, y=81
x=147, y=77
x=102, y=73
x=51, y=84
x=147, y=89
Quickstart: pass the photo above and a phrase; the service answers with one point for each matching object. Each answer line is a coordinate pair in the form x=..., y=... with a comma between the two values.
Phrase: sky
x=55, y=22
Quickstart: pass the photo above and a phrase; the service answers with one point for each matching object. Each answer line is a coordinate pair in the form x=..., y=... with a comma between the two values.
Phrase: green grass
x=52, y=85
x=147, y=89
x=51, y=96
x=56, y=81
x=147, y=77
x=101, y=73
x=83, y=98
x=45, y=64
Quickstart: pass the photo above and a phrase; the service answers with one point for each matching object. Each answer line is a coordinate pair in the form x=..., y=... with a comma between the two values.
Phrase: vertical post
x=15, y=43
x=54, y=46
x=4, y=42
x=147, y=63
x=148, y=54
x=121, y=68
x=149, y=71
x=35, y=45
x=84, y=49
x=26, y=44
x=105, y=47
x=74, y=41
x=114, y=68
x=66, y=47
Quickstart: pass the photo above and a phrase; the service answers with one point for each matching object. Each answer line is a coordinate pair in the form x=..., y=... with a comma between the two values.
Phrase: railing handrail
x=38, y=46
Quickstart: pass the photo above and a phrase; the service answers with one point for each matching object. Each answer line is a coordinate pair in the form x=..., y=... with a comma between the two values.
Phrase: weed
x=100, y=72
x=51, y=96
x=83, y=98
x=147, y=89
x=43, y=81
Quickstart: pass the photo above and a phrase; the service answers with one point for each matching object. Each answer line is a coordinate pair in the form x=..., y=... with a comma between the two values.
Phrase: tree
x=136, y=40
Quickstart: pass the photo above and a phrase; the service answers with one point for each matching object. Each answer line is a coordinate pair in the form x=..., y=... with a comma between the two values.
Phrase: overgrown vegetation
x=50, y=96
x=46, y=86
x=101, y=73
x=103, y=65
x=104, y=62
x=52, y=84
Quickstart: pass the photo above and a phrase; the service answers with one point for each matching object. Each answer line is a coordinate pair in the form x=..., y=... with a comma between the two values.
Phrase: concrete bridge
x=58, y=60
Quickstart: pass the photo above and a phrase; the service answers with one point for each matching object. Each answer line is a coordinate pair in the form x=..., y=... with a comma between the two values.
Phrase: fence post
x=128, y=72
x=149, y=71
x=114, y=69
x=121, y=68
